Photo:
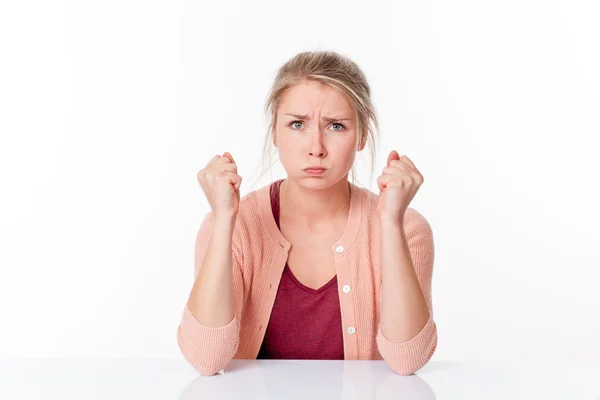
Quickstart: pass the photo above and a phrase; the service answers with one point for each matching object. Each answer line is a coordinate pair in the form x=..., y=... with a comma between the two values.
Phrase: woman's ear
x=274, y=136
x=362, y=143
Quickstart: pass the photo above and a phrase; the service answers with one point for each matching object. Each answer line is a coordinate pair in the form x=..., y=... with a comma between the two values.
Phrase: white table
x=149, y=379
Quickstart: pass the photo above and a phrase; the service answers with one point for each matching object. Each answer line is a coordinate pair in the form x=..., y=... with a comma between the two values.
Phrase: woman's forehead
x=306, y=97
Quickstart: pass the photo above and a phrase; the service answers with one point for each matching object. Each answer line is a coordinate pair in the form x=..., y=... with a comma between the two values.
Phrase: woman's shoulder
x=249, y=208
x=251, y=202
x=254, y=207
x=414, y=220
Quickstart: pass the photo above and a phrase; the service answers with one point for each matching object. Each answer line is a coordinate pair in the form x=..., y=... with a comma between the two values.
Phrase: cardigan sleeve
x=407, y=357
x=209, y=349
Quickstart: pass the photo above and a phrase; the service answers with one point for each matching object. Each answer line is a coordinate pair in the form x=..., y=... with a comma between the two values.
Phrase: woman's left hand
x=398, y=185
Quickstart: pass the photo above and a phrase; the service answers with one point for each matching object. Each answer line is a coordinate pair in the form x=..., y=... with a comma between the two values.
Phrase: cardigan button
x=339, y=249
x=346, y=288
x=351, y=330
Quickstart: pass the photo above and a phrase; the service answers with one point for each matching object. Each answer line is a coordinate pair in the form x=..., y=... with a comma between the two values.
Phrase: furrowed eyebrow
x=305, y=116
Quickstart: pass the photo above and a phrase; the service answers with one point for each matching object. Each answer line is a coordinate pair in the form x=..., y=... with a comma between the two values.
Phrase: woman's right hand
x=221, y=185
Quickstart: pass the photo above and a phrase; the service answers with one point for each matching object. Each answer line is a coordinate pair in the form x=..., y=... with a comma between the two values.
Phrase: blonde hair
x=337, y=71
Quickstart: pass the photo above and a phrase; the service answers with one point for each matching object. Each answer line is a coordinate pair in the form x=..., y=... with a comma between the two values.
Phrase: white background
x=109, y=109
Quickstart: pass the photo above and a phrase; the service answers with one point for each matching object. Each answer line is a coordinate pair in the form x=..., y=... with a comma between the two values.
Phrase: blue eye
x=293, y=122
x=335, y=123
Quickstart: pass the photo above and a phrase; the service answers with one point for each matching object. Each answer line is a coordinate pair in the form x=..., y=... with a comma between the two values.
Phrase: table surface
x=149, y=379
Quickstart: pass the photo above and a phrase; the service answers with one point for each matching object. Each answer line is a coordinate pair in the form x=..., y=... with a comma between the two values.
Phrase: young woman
x=313, y=266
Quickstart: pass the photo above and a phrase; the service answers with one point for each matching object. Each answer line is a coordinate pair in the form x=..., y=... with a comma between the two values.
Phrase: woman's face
x=316, y=127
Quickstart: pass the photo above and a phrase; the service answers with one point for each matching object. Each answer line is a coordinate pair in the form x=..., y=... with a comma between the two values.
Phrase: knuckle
x=210, y=175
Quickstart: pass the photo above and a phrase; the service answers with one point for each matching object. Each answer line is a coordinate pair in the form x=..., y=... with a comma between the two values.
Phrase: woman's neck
x=313, y=207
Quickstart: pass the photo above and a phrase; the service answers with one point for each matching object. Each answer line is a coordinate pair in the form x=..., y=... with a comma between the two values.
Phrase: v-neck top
x=305, y=322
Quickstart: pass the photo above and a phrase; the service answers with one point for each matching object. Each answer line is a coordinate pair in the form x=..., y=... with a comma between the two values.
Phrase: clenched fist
x=221, y=185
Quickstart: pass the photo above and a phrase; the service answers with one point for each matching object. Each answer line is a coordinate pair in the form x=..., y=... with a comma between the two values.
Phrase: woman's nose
x=316, y=143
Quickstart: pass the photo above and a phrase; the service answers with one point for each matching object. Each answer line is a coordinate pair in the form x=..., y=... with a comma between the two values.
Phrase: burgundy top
x=305, y=323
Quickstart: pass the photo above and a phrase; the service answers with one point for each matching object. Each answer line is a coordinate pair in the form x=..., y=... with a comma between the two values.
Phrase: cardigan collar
x=340, y=247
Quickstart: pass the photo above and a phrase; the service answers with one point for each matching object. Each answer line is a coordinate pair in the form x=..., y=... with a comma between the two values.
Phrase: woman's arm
x=407, y=334
x=211, y=299
x=208, y=334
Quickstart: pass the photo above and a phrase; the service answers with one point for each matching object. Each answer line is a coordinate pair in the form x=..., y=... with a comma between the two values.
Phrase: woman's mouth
x=314, y=170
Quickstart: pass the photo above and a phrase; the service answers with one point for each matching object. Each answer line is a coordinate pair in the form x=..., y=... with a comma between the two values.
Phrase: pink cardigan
x=260, y=253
